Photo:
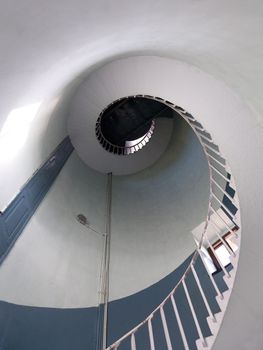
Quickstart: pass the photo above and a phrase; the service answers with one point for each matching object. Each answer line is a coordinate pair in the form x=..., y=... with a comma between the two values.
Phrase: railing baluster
x=150, y=330
x=215, y=154
x=211, y=277
x=232, y=199
x=187, y=115
x=215, y=160
x=218, y=260
x=196, y=124
x=179, y=323
x=210, y=144
x=165, y=328
x=200, y=130
x=133, y=342
x=230, y=251
x=202, y=293
x=206, y=138
x=194, y=314
x=213, y=150
x=219, y=173
x=223, y=205
x=204, y=133
x=227, y=226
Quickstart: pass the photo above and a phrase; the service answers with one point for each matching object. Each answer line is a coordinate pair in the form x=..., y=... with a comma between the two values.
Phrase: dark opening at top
x=127, y=125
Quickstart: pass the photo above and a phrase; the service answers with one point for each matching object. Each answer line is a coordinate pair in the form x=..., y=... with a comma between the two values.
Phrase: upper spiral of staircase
x=221, y=228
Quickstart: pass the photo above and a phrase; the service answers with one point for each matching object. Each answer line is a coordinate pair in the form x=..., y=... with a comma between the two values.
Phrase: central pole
x=106, y=265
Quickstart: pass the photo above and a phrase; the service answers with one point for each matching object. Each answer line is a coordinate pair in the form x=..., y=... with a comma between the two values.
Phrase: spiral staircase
x=213, y=231
x=62, y=64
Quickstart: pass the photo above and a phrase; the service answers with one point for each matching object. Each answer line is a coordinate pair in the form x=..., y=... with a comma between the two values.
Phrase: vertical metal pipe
x=106, y=264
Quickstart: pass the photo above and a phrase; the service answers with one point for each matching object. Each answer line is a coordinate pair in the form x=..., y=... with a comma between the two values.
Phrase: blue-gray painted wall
x=20, y=210
x=36, y=328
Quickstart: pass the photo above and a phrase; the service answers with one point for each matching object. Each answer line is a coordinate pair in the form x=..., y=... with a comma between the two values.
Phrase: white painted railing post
x=232, y=199
x=217, y=258
x=224, y=221
x=150, y=330
x=133, y=342
x=219, y=173
x=230, y=251
x=200, y=333
x=177, y=316
x=166, y=331
x=223, y=205
x=202, y=293
x=211, y=277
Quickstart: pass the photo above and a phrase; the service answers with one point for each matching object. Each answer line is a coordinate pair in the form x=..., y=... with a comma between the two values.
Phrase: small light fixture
x=84, y=221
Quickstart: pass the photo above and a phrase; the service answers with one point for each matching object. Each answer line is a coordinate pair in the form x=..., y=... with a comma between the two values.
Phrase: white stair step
x=229, y=280
x=223, y=302
x=214, y=325
x=209, y=342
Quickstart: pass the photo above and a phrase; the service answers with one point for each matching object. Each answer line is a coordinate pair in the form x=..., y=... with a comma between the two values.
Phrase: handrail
x=196, y=126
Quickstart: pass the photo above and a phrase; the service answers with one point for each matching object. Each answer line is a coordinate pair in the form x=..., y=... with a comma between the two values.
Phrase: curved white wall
x=56, y=261
x=45, y=45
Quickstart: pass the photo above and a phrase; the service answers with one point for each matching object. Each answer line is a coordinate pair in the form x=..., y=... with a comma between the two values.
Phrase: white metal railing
x=228, y=221
x=122, y=150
